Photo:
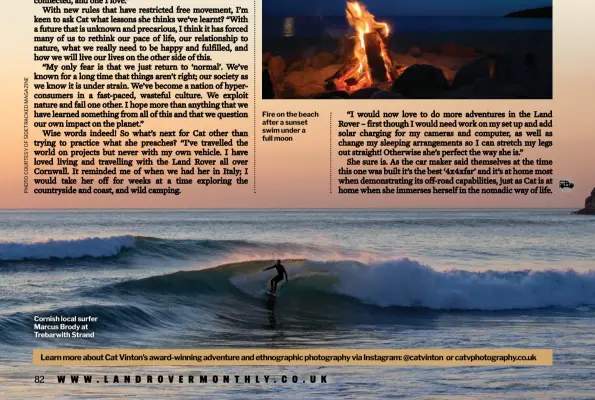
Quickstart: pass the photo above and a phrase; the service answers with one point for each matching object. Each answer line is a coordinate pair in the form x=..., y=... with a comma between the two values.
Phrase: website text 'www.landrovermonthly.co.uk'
x=187, y=379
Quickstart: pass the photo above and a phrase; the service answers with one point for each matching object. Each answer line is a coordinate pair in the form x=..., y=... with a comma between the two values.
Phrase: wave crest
x=149, y=247
x=409, y=284
x=65, y=249
x=402, y=283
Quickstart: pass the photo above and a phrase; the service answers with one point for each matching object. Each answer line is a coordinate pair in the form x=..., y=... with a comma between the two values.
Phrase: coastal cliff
x=589, y=205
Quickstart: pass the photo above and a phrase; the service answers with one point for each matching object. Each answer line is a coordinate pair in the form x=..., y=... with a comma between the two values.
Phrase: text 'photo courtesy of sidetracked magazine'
x=259, y=199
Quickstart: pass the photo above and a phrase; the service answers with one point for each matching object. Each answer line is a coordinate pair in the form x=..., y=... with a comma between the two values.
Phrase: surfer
x=280, y=274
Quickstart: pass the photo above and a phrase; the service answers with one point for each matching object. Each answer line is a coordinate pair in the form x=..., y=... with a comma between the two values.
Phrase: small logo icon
x=566, y=185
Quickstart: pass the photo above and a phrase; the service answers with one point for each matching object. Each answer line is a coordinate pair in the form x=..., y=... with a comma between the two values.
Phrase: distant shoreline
x=488, y=41
x=542, y=12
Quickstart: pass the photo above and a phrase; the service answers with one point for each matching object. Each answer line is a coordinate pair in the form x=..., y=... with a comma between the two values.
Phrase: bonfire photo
x=371, y=62
x=357, y=54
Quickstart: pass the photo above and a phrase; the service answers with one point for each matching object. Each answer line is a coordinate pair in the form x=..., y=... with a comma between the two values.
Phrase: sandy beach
x=490, y=64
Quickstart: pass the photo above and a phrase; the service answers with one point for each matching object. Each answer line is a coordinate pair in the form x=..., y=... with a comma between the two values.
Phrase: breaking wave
x=401, y=283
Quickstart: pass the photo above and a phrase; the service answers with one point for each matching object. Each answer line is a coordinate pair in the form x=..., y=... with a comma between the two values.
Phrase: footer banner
x=293, y=357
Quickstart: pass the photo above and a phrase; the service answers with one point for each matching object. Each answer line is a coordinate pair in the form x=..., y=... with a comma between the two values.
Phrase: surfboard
x=279, y=287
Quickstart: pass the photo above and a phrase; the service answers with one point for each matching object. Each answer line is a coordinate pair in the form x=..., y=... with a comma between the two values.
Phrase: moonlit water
x=358, y=279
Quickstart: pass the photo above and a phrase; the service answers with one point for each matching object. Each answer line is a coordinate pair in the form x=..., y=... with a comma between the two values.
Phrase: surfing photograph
x=290, y=279
x=426, y=49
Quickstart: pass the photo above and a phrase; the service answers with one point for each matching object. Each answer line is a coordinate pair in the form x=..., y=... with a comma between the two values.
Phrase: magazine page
x=310, y=199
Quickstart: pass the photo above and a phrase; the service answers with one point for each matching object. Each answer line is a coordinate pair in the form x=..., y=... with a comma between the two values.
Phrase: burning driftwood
x=371, y=64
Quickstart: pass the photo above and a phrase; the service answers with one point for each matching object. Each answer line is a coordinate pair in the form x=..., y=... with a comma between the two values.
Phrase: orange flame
x=363, y=22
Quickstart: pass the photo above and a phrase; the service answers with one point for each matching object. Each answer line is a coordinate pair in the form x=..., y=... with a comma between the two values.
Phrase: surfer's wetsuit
x=281, y=273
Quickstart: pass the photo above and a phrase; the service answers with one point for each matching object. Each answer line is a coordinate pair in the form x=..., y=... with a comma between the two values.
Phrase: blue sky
x=402, y=7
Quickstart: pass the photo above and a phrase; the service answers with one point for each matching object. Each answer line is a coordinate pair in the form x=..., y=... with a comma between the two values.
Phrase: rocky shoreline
x=589, y=205
x=488, y=65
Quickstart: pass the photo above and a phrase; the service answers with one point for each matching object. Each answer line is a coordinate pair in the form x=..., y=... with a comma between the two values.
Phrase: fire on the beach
x=372, y=63
x=376, y=60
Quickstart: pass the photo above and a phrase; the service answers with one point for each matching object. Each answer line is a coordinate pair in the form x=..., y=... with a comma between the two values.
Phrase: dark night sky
x=402, y=7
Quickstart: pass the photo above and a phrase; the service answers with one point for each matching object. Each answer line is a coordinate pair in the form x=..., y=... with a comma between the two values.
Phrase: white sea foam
x=408, y=283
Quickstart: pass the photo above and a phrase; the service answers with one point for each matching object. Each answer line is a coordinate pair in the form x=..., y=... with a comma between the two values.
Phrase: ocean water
x=338, y=26
x=358, y=279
